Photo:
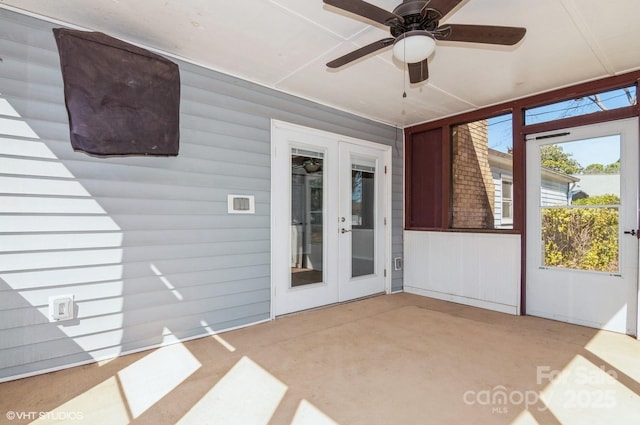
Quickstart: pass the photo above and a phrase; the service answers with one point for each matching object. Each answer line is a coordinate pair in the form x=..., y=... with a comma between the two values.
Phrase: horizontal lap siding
x=144, y=244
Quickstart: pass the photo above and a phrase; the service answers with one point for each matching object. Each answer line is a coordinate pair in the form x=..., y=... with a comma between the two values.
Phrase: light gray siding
x=144, y=244
x=554, y=193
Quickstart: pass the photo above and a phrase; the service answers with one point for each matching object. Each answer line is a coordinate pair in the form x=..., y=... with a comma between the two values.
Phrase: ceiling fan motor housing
x=414, y=18
x=410, y=7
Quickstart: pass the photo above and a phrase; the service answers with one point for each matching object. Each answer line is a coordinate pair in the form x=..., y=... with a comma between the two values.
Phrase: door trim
x=278, y=198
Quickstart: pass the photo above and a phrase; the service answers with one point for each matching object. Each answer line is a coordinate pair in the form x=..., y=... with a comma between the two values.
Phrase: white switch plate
x=60, y=308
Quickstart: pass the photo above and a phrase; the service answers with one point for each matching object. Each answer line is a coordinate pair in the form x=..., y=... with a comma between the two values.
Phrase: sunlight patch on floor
x=224, y=343
x=247, y=394
x=101, y=405
x=600, y=345
x=308, y=414
x=583, y=392
x=149, y=379
x=525, y=418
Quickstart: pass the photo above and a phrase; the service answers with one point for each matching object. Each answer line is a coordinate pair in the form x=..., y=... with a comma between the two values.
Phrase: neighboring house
x=595, y=185
x=557, y=188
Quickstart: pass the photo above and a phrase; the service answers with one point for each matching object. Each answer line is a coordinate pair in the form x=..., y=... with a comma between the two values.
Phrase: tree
x=595, y=100
x=613, y=168
x=594, y=169
x=555, y=158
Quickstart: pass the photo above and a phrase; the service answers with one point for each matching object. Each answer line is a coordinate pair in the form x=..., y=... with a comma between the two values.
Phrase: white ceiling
x=285, y=44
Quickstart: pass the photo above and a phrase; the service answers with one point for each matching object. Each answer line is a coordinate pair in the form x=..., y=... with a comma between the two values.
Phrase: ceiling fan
x=415, y=27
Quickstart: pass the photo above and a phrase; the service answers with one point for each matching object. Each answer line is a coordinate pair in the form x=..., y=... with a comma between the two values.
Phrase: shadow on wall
x=145, y=259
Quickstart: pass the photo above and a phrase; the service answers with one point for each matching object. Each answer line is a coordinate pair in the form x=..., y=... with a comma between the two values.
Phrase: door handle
x=633, y=232
x=343, y=230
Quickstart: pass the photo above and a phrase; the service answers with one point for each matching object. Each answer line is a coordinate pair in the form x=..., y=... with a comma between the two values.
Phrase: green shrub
x=608, y=199
x=582, y=238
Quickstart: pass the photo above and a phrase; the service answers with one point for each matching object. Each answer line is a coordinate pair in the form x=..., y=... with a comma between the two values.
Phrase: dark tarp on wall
x=121, y=99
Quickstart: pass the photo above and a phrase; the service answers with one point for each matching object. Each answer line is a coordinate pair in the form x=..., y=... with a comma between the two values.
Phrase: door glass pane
x=580, y=200
x=362, y=220
x=307, y=218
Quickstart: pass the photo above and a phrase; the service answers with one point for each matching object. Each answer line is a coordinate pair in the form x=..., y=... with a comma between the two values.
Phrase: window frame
x=509, y=181
x=435, y=207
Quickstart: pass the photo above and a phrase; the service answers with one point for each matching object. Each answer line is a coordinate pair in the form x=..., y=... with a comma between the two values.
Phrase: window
x=597, y=102
x=580, y=207
x=507, y=202
x=480, y=158
x=436, y=197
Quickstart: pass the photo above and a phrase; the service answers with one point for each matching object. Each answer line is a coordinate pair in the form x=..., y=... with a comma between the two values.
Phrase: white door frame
x=280, y=197
x=559, y=294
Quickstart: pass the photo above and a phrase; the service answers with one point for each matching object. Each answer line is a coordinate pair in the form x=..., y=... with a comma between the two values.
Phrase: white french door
x=330, y=197
x=582, y=247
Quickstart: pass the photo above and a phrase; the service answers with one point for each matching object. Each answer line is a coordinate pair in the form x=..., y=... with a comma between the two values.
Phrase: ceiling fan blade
x=489, y=34
x=443, y=6
x=367, y=10
x=418, y=71
x=361, y=52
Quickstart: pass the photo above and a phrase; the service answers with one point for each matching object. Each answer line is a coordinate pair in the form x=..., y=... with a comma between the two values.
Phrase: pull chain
x=404, y=74
x=404, y=84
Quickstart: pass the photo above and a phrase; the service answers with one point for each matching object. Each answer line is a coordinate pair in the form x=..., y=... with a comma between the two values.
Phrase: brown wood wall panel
x=424, y=179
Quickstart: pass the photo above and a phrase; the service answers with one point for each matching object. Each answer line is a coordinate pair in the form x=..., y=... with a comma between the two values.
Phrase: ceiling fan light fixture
x=414, y=46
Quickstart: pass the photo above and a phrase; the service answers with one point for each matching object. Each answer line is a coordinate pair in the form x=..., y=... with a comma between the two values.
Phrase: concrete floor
x=393, y=359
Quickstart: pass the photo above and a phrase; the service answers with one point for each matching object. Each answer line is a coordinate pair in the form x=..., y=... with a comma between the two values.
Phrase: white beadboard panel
x=478, y=269
x=145, y=244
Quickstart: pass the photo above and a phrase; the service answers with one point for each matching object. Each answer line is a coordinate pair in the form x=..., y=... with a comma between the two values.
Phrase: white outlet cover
x=61, y=308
